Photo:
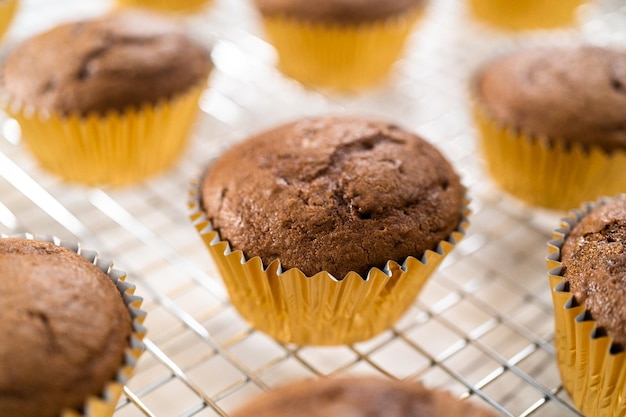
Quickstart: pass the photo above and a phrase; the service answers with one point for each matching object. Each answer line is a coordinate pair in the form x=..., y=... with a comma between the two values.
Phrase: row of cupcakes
x=75, y=325
x=348, y=45
x=119, y=106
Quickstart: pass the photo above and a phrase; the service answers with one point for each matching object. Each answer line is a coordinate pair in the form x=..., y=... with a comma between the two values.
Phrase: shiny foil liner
x=113, y=148
x=177, y=6
x=592, y=367
x=340, y=56
x=526, y=14
x=318, y=310
x=8, y=8
x=548, y=173
x=104, y=404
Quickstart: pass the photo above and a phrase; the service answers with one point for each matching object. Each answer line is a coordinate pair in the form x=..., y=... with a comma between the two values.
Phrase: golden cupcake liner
x=114, y=148
x=318, y=310
x=104, y=404
x=8, y=8
x=177, y=6
x=526, y=14
x=592, y=367
x=339, y=56
x=548, y=173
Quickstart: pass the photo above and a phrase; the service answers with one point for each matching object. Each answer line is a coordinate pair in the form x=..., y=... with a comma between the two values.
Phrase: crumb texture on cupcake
x=334, y=194
x=593, y=261
x=573, y=94
x=344, y=11
x=63, y=332
x=359, y=397
x=121, y=60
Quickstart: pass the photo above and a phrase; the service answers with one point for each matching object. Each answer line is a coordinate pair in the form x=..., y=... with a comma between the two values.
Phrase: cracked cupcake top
x=63, y=329
x=337, y=194
x=121, y=60
x=593, y=261
x=567, y=94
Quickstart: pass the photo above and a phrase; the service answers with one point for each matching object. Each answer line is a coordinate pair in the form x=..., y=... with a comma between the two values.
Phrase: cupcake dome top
x=593, y=261
x=358, y=397
x=570, y=94
x=345, y=11
x=64, y=329
x=121, y=60
x=334, y=194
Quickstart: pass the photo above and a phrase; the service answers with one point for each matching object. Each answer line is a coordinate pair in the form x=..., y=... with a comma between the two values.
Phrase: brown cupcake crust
x=64, y=329
x=358, y=397
x=337, y=194
x=121, y=60
x=594, y=263
x=568, y=94
x=342, y=11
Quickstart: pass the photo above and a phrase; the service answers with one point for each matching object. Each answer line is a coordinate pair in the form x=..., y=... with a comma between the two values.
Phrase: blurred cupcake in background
x=106, y=101
x=552, y=123
x=175, y=6
x=526, y=14
x=341, y=44
x=8, y=9
x=359, y=397
x=587, y=272
x=325, y=230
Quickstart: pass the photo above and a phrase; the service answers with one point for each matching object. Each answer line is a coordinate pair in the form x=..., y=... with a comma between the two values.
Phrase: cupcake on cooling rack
x=325, y=230
x=526, y=14
x=552, y=123
x=587, y=268
x=115, y=107
x=177, y=6
x=342, y=44
x=358, y=397
x=71, y=330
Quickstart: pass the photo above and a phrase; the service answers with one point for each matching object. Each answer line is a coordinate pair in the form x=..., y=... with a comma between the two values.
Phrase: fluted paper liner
x=341, y=56
x=526, y=14
x=318, y=310
x=548, y=173
x=114, y=148
x=184, y=6
x=592, y=367
x=7, y=12
x=104, y=404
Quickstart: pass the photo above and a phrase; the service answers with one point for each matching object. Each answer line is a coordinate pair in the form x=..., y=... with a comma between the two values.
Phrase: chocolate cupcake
x=73, y=331
x=588, y=274
x=358, y=397
x=345, y=44
x=115, y=107
x=352, y=202
x=552, y=123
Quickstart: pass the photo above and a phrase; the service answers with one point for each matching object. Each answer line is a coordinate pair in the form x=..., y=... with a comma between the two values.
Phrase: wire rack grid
x=482, y=328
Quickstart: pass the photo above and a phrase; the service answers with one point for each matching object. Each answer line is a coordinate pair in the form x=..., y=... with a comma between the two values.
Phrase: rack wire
x=482, y=328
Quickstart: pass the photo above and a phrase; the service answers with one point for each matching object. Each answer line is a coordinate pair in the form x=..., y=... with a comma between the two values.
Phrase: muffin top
x=358, y=397
x=568, y=94
x=337, y=194
x=343, y=11
x=121, y=60
x=593, y=261
x=64, y=329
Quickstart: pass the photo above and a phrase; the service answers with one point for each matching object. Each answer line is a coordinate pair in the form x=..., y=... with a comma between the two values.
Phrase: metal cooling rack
x=482, y=328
